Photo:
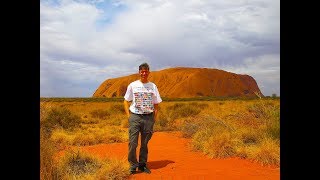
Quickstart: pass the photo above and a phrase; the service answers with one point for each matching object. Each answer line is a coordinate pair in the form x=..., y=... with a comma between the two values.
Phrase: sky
x=85, y=42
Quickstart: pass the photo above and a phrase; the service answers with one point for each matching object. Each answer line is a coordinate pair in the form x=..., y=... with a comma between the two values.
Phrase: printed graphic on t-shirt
x=143, y=102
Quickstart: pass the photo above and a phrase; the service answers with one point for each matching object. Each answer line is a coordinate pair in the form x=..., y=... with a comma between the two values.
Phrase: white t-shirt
x=143, y=97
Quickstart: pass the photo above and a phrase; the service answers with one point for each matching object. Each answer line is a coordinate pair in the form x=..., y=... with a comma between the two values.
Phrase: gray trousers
x=139, y=124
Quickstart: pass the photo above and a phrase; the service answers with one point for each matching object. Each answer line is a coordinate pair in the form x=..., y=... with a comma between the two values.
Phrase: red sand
x=170, y=157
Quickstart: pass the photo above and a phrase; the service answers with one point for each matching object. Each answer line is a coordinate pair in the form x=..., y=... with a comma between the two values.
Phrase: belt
x=142, y=114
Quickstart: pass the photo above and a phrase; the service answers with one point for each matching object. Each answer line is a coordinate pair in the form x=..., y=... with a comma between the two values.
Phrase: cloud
x=264, y=69
x=84, y=42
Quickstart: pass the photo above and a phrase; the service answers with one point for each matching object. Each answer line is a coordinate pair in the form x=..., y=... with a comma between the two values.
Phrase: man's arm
x=126, y=107
x=156, y=110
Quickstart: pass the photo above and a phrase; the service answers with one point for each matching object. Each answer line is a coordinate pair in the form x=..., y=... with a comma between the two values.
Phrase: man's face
x=144, y=73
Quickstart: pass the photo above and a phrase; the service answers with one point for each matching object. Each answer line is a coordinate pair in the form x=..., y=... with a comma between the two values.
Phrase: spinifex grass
x=247, y=128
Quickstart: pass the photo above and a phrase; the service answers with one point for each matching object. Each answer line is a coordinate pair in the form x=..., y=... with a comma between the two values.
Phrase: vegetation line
x=165, y=99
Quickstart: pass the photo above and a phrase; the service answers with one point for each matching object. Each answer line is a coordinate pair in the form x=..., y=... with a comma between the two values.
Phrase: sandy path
x=171, y=158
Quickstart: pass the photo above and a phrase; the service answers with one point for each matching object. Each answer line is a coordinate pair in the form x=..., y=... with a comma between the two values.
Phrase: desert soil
x=171, y=157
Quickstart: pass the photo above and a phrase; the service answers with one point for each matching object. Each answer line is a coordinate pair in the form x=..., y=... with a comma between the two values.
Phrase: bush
x=113, y=169
x=60, y=118
x=48, y=169
x=117, y=108
x=182, y=110
x=74, y=165
x=100, y=113
x=268, y=114
x=267, y=153
x=192, y=125
x=82, y=165
x=220, y=145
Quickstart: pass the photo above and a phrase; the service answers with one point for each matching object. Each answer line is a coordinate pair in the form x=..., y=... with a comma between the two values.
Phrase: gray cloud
x=264, y=69
x=77, y=55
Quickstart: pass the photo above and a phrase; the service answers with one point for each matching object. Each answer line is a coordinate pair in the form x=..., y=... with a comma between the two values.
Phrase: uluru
x=187, y=82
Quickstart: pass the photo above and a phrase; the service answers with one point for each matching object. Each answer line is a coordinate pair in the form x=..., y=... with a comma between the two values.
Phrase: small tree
x=274, y=95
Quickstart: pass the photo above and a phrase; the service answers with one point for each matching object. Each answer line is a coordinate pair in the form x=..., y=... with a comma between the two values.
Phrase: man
x=144, y=97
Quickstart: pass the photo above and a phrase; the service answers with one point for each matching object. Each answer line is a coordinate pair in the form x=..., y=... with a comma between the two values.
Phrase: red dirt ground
x=170, y=157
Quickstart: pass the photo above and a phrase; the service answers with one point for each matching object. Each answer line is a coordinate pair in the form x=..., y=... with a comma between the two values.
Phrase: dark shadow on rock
x=159, y=164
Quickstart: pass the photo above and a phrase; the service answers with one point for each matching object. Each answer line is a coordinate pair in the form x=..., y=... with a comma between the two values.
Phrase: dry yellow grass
x=77, y=164
x=218, y=109
x=244, y=128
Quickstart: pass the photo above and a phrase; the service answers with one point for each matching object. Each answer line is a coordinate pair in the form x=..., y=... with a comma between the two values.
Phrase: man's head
x=144, y=72
x=144, y=66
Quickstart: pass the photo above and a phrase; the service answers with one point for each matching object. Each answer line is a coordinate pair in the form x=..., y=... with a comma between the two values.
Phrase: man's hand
x=156, y=109
x=126, y=108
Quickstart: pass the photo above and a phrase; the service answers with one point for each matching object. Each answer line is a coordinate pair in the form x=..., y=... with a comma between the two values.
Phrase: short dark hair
x=144, y=66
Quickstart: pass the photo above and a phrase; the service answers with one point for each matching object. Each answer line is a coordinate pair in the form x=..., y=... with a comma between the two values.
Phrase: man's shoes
x=144, y=169
x=133, y=170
